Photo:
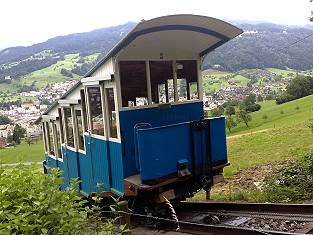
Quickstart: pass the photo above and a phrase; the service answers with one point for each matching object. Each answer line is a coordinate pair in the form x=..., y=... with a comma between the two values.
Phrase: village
x=25, y=114
x=262, y=83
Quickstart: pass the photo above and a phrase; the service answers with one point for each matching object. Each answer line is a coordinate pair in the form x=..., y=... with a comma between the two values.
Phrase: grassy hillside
x=266, y=145
x=23, y=153
x=289, y=142
x=277, y=116
x=52, y=73
x=282, y=72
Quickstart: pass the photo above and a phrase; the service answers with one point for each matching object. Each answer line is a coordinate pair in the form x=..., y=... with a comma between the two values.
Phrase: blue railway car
x=134, y=125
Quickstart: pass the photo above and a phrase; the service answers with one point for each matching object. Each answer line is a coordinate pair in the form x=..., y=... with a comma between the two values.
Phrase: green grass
x=243, y=81
x=213, y=82
x=23, y=153
x=283, y=115
x=286, y=143
x=280, y=137
x=281, y=71
x=16, y=97
x=262, y=147
x=47, y=75
x=52, y=73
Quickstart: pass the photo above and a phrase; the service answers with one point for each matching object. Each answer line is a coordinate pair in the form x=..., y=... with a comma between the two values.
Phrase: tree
x=269, y=97
x=230, y=110
x=5, y=120
x=259, y=98
x=230, y=123
x=46, y=102
x=66, y=73
x=250, y=99
x=249, y=105
x=299, y=87
x=18, y=133
x=10, y=139
x=217, y=112
x=243, y=116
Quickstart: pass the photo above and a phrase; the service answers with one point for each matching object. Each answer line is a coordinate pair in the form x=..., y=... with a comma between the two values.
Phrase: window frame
x=79, y=108
x=174, y=73
x=108, y=85
x=58, y=138
x=65, y=128
x=44, y=132
x=48, y=123
x=89, y=119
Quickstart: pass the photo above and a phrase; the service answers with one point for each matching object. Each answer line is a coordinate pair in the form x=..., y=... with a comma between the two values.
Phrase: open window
x=95, y=110
x=133, y=83
x=57, y=127
x=50, y=138
x=60, y=126
x=187, y=80
x=44, y=130
x=69, y=129
x=84, y=112
x=111, y=112
x=161, y=79
x=80, y=129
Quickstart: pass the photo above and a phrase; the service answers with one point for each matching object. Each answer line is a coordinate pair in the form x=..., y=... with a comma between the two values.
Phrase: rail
x=193, y=218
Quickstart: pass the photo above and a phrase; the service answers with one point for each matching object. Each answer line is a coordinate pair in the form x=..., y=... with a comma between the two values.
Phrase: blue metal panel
x=70, y=162
x=218, y=140
x=156, y=117
x=116, y=165
x=86, y=174
x=161, y=148
x=97, y=151
x=51, y=162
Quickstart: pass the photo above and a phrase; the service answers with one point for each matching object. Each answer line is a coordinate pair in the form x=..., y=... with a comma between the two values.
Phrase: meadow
x=23, y=153
x=272, y=115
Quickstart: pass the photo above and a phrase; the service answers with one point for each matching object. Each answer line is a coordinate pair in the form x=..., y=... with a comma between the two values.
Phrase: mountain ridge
x=258, y=47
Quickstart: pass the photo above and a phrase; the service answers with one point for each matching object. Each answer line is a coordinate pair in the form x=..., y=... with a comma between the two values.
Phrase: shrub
x=291, y=183
x=284, y=98
x=31, y=203
x=66, y=73
x=253, y=108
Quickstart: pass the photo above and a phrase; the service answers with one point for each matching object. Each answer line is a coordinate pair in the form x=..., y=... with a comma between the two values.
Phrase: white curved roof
x=180, y=36
x=188, y=35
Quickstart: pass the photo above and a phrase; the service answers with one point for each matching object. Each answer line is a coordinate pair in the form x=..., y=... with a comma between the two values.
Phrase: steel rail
x=275, y=208
x=200, y=229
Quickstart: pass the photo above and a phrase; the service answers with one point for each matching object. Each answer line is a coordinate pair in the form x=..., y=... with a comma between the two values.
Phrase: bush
x=5, y=120
x=299, y=87
x=31, y=203
x=253, y=108
x=292, y=183
x=284, y=98
x=66, y=73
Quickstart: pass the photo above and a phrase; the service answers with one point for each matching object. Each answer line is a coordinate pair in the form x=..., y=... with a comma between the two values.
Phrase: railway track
x=237, y=218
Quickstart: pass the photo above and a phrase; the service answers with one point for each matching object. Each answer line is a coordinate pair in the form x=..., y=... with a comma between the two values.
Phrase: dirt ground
x=247, y=179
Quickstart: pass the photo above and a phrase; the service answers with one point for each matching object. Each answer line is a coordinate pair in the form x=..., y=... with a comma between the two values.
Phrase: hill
x=265, y=46
x=258, y=47
x=273, y=116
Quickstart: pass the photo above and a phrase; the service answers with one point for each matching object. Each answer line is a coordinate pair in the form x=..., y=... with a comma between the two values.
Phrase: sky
x=25, y=22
